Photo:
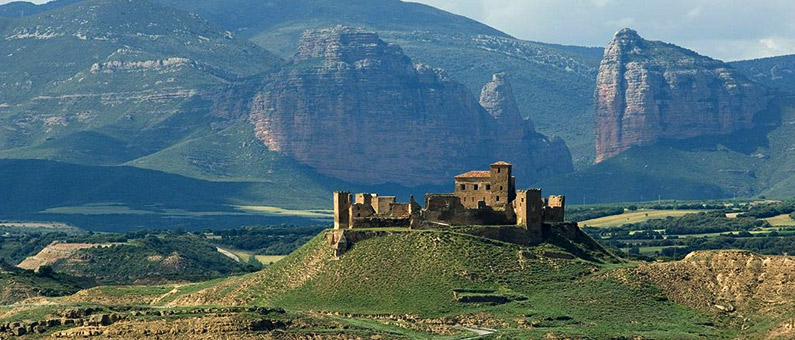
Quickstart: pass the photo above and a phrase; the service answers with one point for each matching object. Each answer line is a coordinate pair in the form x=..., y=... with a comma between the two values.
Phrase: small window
x=498, y=199
x=476, y=187
x=500, y=187
x=488, y=186
x=522, y=199
x=463, y=187
x=499, y=170
x=473, y=199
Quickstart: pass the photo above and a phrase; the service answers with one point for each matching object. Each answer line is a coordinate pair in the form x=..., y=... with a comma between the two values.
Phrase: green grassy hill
x=430, y=284
x=442, y=274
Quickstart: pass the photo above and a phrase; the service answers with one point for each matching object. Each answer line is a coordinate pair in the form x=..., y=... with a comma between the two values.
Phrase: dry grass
x=780, y=221
x=635, y=217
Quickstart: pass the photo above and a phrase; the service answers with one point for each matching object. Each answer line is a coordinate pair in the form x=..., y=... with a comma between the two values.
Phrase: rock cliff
x=357, y=108
x=649, y=90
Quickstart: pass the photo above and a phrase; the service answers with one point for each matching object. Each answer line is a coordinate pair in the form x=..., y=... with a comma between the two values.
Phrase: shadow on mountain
x=744, y=141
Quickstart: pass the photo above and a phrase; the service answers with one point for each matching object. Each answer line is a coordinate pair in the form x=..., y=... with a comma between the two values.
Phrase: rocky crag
x=356, y=108
x=649, y=90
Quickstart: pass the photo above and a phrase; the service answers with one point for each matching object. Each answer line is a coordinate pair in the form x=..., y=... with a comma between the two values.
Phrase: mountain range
x=288, y=100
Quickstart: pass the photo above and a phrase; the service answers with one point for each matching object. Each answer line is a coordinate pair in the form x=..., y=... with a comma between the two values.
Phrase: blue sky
x=724, y=29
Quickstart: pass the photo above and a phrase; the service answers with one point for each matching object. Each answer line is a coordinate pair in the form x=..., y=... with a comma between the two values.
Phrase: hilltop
x=429, y=284
x=17, y=284
x=144, y=260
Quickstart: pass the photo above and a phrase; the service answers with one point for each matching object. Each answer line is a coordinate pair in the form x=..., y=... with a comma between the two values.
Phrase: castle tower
x=529, y=209
x=555, y=209
x=342, y=209
x=501, y=182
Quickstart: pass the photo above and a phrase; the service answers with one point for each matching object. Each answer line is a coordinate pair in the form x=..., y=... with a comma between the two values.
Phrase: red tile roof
x=501, y=163
x=474, y=174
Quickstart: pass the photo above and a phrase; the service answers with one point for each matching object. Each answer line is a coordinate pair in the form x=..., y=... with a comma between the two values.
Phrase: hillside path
x=481, y=332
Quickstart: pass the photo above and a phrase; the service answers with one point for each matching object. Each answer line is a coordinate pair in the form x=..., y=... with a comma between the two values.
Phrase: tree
x=45, y=271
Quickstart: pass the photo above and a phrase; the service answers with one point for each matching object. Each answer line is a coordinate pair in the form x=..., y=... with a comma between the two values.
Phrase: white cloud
x=724, y=29
x=693, y=14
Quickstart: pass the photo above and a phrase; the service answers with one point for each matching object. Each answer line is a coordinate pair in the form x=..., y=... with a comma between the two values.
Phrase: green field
x=275, y=211
x=634, y=217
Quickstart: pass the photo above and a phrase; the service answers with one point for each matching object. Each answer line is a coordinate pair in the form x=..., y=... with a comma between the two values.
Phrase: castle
x=479, y=198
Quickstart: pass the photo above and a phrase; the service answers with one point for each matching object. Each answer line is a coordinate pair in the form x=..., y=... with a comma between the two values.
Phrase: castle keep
x=479, y=198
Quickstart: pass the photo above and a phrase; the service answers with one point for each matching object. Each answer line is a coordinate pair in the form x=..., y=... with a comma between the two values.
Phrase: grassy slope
x=15, y=287
x=121, y=199
x=39, y=185
x=416, y=273
x=17, y=284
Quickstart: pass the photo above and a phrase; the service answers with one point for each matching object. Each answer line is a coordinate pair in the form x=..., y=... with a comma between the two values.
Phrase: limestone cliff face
x=356, y=108
x=497, y=98
x=648, y=90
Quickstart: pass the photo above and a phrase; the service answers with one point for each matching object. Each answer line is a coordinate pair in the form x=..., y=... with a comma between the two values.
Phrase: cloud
x=724, y=29
x=621, y=23
x=693, y=14
x=600, y=3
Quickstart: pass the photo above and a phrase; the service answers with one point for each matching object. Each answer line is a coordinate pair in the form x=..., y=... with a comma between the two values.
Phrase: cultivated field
x=781, y=221
x=634, y=217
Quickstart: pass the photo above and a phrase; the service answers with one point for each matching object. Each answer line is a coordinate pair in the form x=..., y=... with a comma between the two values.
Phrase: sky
x=724, y=29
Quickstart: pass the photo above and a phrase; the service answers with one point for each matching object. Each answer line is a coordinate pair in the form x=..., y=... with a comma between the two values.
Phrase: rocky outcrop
x=649, y=90
x=356, y=108
x=727, y=282
x=497, y=98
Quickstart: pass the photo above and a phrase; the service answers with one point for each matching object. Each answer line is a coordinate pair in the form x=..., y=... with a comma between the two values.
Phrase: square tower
x=555, y=209
x=342, y=209
x=501, y=182
x=529, y=209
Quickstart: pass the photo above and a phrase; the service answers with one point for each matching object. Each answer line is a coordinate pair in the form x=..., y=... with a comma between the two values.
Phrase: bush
x=770, y=210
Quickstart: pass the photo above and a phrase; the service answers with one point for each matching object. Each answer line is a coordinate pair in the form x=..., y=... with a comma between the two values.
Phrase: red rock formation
x=356, y=108
x=649, y=90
